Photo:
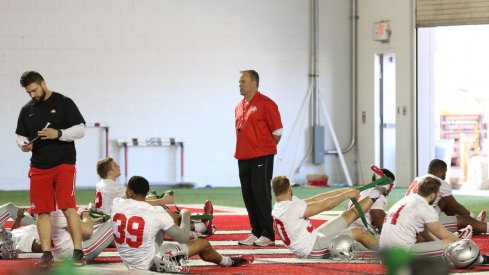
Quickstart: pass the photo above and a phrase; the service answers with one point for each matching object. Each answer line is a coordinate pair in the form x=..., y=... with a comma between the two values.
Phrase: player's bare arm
x=277, y=138
x=315, y=208
x=325, y=195
x=453, y=207
x=441, y=233
x=167, y=199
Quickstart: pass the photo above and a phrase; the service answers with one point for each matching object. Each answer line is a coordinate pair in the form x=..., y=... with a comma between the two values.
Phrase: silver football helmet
x=462, y=254
x=7, y=249
x=343, y=247
x=171, y=258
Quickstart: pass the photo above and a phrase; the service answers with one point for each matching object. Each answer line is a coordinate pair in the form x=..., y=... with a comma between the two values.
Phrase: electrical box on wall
x=382, y=31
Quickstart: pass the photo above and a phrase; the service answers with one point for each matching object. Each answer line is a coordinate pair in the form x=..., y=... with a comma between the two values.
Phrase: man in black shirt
x=47, y=126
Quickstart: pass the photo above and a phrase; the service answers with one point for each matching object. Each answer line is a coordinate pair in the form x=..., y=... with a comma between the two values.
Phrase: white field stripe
x=254, y=251
x=227, y=232
x=287, y=261
x=278, y=244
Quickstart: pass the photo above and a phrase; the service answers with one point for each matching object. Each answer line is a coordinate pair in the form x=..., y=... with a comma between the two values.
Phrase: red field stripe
x=247, y=247
x=326, y=268
x=196, y=210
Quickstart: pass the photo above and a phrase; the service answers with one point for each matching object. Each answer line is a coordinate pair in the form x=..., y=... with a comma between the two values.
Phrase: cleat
x=264, y=241
x=46, y=260
x=208, y=207
x=208, y=210
x=78, y=258
x=249, y=240
x=242, y=260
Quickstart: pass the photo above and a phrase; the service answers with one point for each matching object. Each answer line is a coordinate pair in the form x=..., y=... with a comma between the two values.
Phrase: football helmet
x=343, y=247
x=462, y=254
x=171, y=258
x=7, y=249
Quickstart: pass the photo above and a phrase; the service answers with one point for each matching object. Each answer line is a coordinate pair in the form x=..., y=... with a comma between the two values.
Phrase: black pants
x=255, y=176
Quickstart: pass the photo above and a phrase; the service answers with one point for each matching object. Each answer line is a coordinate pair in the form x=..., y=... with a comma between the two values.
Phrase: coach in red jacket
x=258, y=131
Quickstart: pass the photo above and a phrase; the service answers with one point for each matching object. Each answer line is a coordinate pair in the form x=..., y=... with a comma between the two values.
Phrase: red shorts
x=51, y=187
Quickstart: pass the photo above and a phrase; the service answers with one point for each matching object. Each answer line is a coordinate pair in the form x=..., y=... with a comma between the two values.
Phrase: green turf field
x=231, y=196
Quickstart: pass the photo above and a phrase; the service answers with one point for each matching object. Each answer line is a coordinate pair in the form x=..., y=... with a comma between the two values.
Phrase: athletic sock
x=200, y=227
x=226, y=261
x=375, y=193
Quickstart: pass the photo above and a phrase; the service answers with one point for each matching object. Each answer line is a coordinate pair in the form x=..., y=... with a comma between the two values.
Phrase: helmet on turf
x=462, y=254
x=171, y=258
x=7, y=249
x=343, y=247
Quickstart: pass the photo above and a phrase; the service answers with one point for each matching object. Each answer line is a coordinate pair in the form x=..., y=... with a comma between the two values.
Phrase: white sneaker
x=465, y=233
x=264, y=241
x=248, y=241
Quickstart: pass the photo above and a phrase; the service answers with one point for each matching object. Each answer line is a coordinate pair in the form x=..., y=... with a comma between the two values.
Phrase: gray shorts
x=449, y=222
x=327, y=232
x=427, y=249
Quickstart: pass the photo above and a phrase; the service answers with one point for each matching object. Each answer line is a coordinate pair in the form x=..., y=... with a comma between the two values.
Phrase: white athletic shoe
x=465, y=233
x=264, y=241
x=249, y=240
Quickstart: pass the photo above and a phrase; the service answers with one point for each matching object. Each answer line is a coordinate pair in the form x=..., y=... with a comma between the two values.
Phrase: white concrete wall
x=161, y=68
x=400, y=15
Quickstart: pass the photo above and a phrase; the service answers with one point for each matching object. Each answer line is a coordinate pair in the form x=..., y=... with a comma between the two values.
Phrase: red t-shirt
x=255, y=123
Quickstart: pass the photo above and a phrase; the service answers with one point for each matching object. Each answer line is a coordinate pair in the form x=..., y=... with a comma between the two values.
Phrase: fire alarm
x=382, y=31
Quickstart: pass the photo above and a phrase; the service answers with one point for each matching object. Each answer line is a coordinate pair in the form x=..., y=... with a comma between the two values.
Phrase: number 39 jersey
x=405, y=219
x=296, y=232
x=135, y=225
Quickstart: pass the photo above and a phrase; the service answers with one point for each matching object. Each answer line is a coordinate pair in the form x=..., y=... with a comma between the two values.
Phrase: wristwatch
x=59, y=133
